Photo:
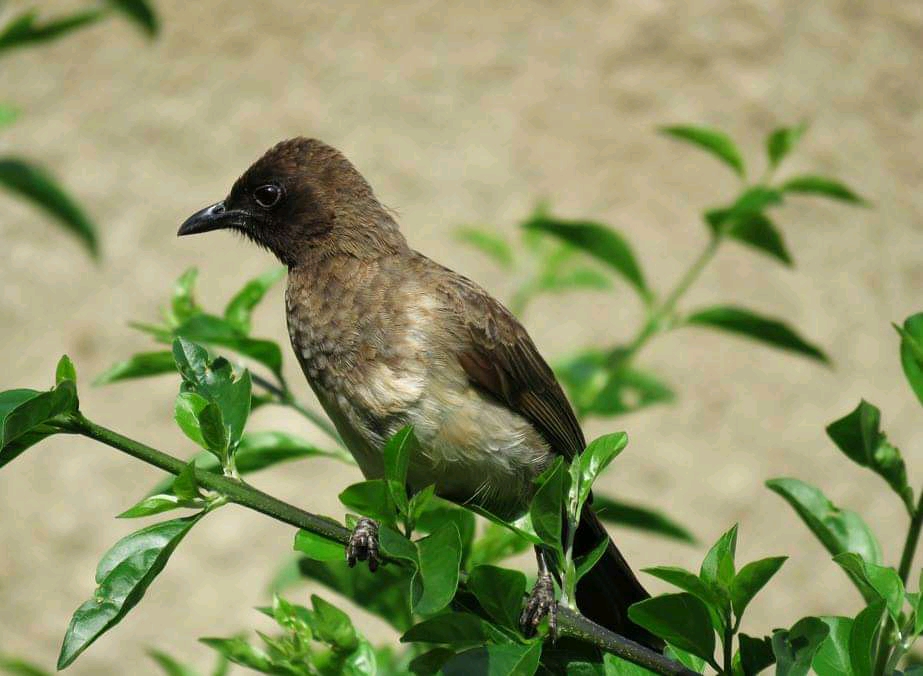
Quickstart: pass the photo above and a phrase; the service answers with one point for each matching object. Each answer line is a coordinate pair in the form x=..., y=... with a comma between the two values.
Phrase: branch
x=570, y=623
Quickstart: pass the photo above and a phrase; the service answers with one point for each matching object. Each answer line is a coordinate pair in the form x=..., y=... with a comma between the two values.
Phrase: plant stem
x=570, y=623
x=662, y=310
x=910, y=549
x=235, y=490
x=728, y=645
x=575, y=625
x=910, y=544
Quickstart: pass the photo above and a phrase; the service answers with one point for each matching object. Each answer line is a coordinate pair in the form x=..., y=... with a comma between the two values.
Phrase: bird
x=387, y=338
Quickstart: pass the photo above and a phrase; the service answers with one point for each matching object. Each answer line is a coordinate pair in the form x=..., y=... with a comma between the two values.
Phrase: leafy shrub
x=442, y=586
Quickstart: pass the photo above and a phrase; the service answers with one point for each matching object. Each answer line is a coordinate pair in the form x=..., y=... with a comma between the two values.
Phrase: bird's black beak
x=214, y=217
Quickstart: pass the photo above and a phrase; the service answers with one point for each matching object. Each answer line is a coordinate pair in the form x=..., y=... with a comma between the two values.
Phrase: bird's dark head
x=300, y=200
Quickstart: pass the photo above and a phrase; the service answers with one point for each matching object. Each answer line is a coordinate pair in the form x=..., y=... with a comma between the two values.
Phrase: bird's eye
x=267, y=196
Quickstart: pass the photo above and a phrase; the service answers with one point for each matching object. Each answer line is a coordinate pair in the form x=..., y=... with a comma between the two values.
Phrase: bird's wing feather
x=499, y=357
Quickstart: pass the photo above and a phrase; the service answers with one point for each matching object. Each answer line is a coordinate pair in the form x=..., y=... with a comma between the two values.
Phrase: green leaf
x=140, y=365
x=211, y=330
x=397, y=452
x=25, y=30
x=862, y=638
x=781, y=141
x=493, y=246
x=751, y=325
x=838, y=530
x=875, y=582
x=65, y=371
x=495, y=660
x=185, y=485
x=317, y=547
x=18, y=667
x=750, y=579
x=140, y=12
x=218, y=382
x=597, y=240
x=753, y=229
x=681, y=620
x=596, y=387
x=640, y=518
x=170, y=666
x=439, y=512
x=594, y=460
x=23, y=411
x=200, y=419
x=823, y=187
x=912, y=352
x=584, y=564
x=859, y=436
x=430, y=662
x=439, y=561
x=8, y=115
x=240, y=307
x=795, y=648
x=547, y=505
x=183, y=304
x=755, y=654
x=832, y=659
x=154, y=504
x=383, y=592
x=715, y=600
x=34, y=184
x=333, y=626
x=695, y=663
x=123, y=575
x=718, y=565
x=500, y=593
x=712, y=141
x=574, y=278
x=451, y=628
x=372, y=498
x=238, y=651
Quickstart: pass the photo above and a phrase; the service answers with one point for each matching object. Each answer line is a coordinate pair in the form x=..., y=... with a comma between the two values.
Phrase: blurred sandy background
x=459, y=114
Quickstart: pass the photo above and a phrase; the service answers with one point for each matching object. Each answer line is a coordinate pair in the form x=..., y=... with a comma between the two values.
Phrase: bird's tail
x=605, y=592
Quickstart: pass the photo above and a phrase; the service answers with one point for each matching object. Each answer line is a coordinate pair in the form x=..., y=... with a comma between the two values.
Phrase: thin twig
x=286, y=399
x=570, y=623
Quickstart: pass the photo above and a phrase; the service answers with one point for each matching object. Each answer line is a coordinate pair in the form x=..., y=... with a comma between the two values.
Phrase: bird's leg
x=363, y=544
x=541, y=601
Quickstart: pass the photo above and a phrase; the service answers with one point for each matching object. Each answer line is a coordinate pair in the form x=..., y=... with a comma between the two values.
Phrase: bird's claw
x=540, y=604
x=363, y=544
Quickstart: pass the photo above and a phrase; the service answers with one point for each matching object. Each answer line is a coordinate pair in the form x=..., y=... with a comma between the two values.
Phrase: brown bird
x=387, y=338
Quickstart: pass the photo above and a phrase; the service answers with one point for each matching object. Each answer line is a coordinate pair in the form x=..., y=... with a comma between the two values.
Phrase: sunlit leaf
x=597, y=240
x=823, y=187
x=750, y=579
x=795, y=648
x=680, y=619
x=781, y=141
x=123, y=575
x=240, y=307
x=712, y=141
x=838, y=530
x=859, y=436
x=749, y=324
x=912, y=352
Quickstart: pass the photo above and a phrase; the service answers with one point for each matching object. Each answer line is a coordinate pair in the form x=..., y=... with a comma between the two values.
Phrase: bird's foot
x=540, y=604
x=363, y=544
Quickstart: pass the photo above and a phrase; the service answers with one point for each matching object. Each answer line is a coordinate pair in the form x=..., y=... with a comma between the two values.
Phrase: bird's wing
x=499, y=357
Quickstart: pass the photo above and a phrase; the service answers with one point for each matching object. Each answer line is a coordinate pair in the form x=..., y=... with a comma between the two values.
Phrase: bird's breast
x=375, y=372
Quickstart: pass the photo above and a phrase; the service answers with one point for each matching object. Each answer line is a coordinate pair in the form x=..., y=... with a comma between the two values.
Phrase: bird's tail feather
x=605, y=592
